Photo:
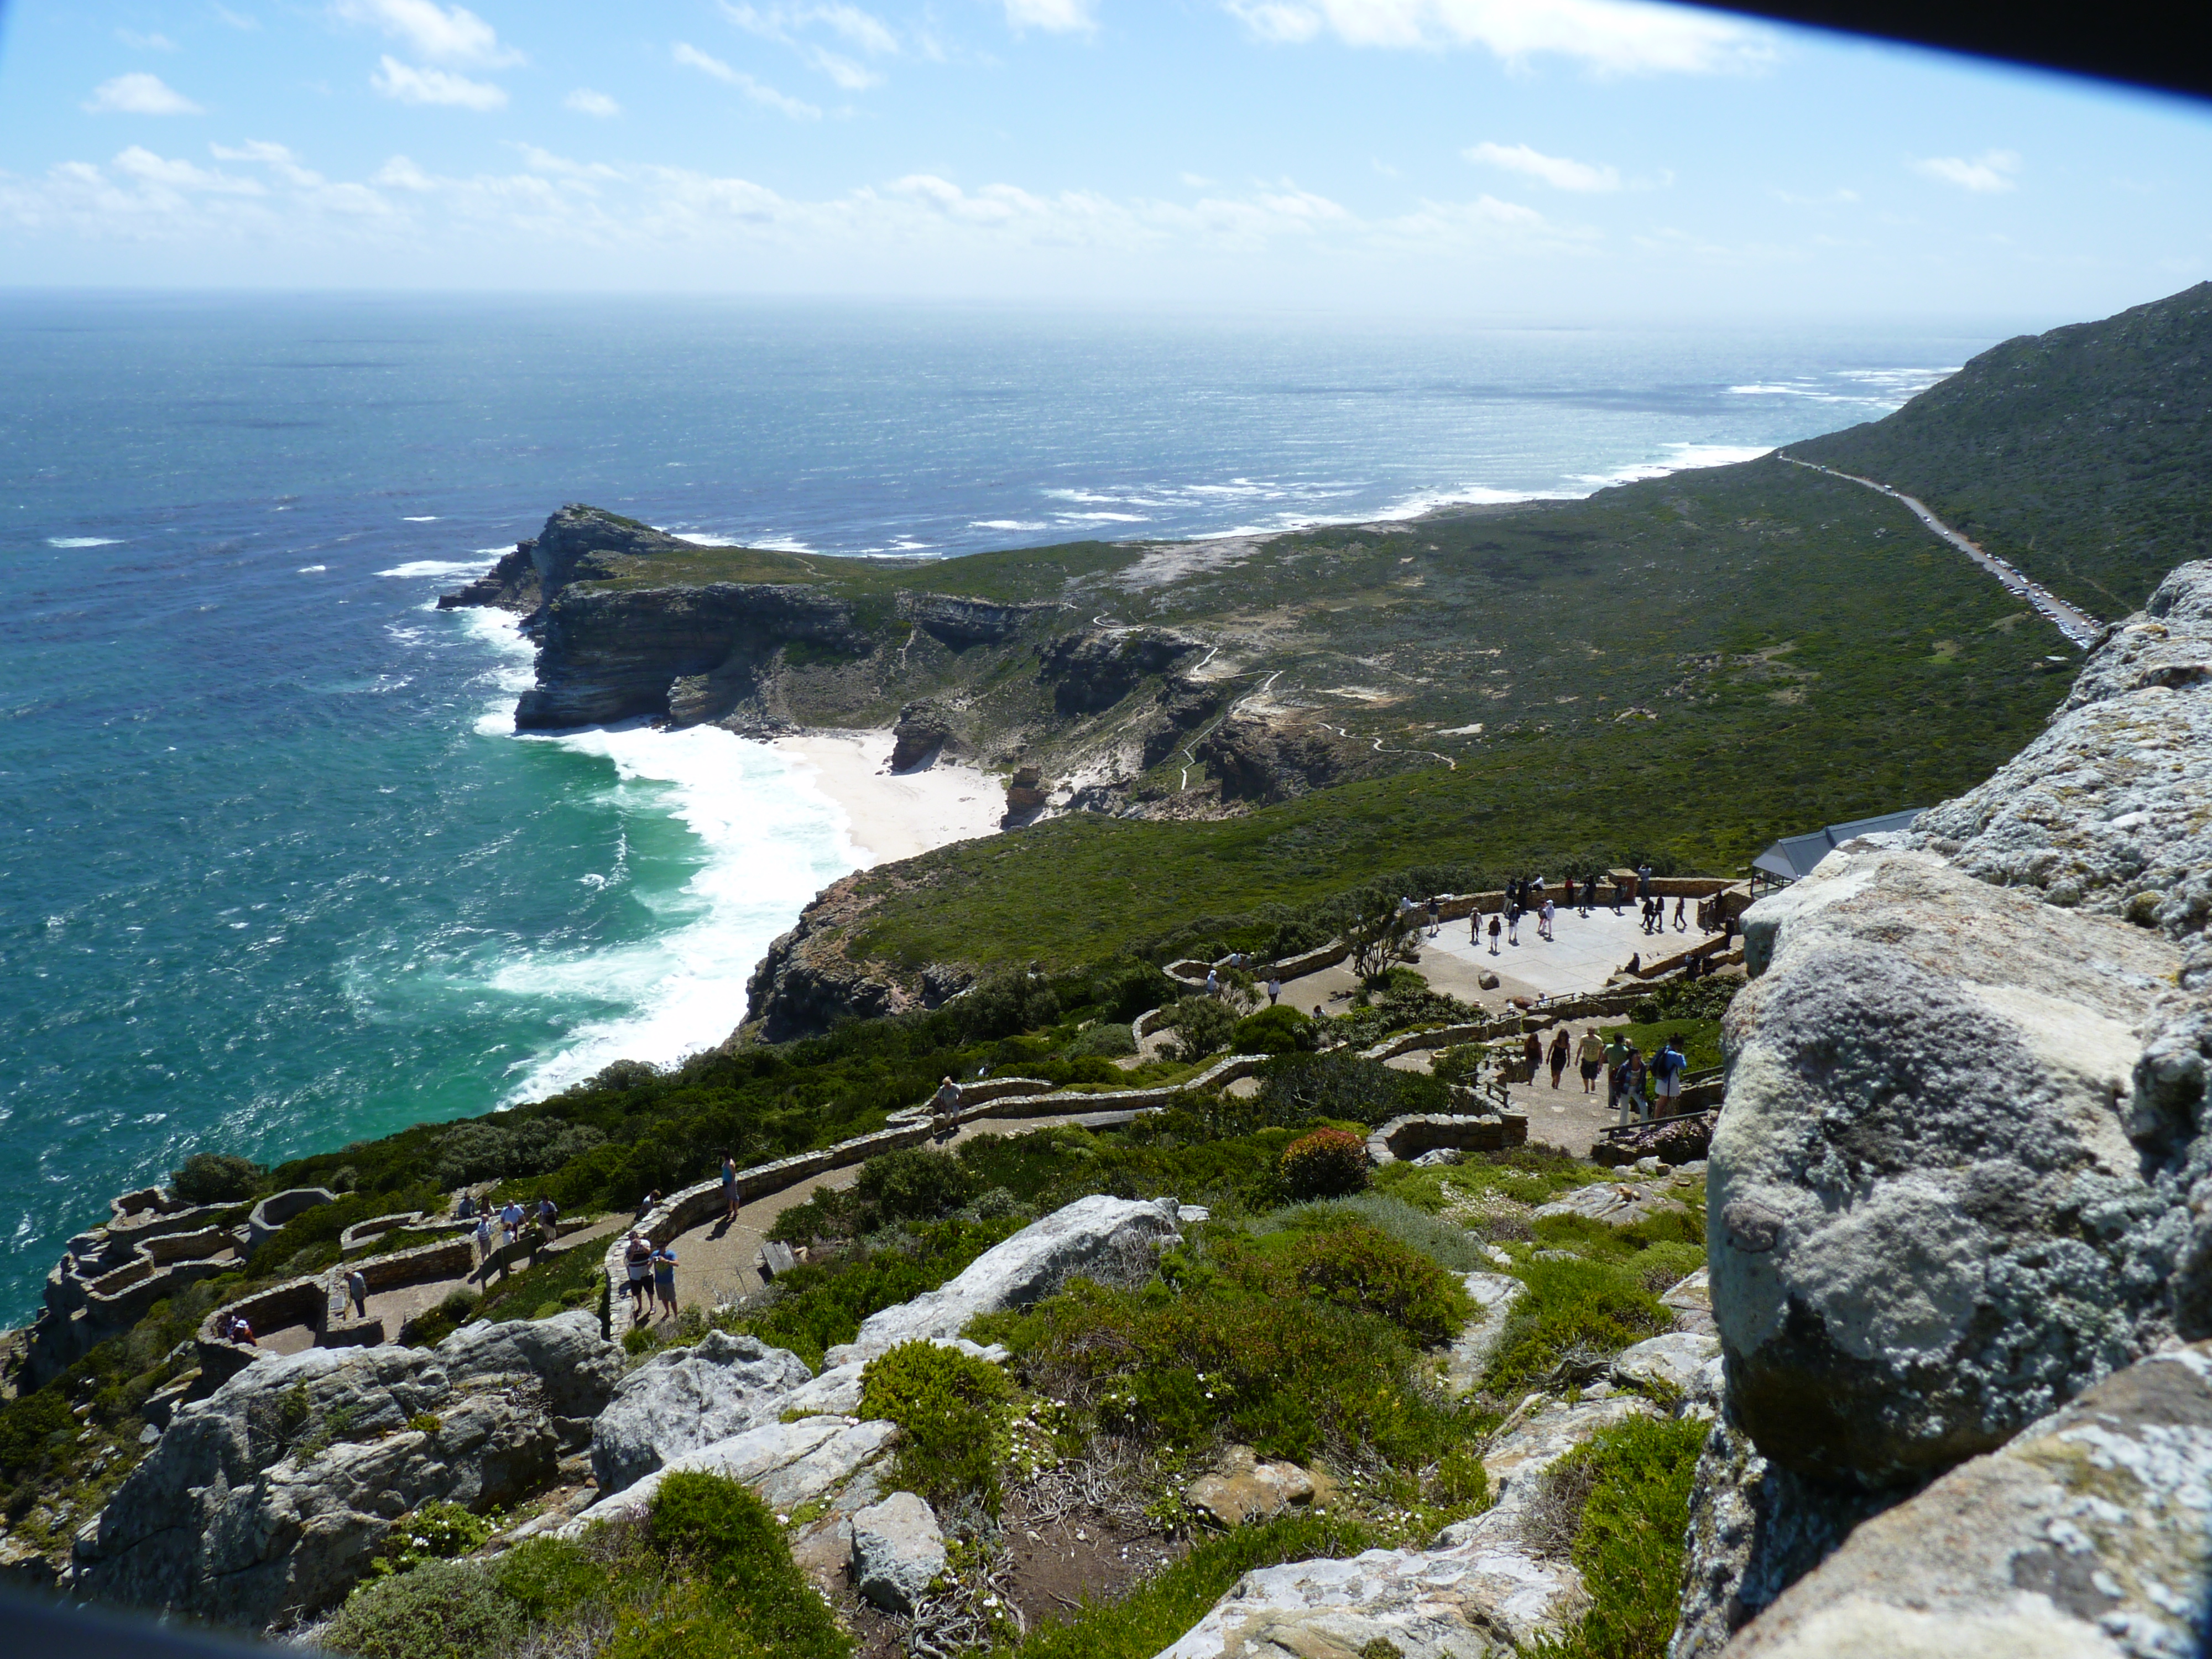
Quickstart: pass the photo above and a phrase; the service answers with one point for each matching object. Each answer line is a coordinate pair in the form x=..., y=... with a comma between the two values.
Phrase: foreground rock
x=2089, y=1534
x=897, y=1551
x=685, y=1397
x=1117, y=1240
x=269, y=1499
x=788, y=1464
x=1927, y=1225
x=1624, y=1203
x=1495, y=1297
x=1241, y=1488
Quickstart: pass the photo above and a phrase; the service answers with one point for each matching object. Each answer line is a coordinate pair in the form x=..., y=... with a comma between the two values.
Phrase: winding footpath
x=2080, y=628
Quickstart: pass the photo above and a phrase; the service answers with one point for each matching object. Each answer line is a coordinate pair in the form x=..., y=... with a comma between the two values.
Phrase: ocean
x=275, y=873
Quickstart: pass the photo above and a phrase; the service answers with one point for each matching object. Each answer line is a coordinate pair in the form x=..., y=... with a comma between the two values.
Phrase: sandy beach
x=897, y=817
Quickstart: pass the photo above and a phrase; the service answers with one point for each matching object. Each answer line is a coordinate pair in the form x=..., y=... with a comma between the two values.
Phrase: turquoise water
x=274, y=874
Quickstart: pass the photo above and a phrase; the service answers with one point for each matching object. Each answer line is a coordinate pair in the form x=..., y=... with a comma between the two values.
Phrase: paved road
x=2080, y=628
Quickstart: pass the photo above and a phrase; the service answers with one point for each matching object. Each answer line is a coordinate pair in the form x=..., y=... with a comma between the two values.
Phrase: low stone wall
x=270, y=1214
x=1406, y=1137
x=195, y=1246
x=295, y=1302
x=450, y=1258
x=363, y=1233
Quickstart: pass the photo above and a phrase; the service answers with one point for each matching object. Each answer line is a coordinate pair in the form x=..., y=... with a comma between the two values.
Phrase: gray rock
x=1926, y=1223
x=685, y=1397
x=2111, y=809
x=1527, y=1444
x=1495, y=1296
x=269, y=1499
x=1677, y=1360
x=787, y=1464
x=837, y=1390
x=1242, y=1487
x=1691, y=1301
x=897, y=1551
x=2090, y=1534
x=1755, y=1529
x=1114, y=1239
x=1623, y=1203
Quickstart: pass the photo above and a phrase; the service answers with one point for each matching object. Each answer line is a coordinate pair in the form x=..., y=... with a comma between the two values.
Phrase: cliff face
x=687, y=655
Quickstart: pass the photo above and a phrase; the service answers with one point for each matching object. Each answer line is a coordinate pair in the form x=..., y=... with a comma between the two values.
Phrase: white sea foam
x=436, y=567
x=1684, y=458
x=770, y=841
x=83, y=541
x=311, y=569
x=1008, y=524
x=426, y=518
x=511, y=673
x=702, y=541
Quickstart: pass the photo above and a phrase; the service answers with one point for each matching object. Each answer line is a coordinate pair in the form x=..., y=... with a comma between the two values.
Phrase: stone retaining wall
x=270, y=1214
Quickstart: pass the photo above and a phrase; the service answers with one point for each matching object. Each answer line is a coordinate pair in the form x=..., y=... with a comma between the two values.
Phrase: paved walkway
x=2080, y=628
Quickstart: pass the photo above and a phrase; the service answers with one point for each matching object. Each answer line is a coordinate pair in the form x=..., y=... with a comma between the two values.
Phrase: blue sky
x=1568, y=160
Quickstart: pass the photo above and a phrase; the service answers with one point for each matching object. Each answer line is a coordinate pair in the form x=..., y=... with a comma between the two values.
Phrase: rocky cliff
x=1961, y=1207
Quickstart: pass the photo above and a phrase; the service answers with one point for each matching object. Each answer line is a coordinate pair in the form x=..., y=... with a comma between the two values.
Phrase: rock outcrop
x=897, y=1551
x=959, y=623
x=1242, y=1487
x=1927, y=1225
x=1263, y=758
x=1089, y=672
x=2089, y=1534
x=1110, y=1239
x=578, y=543
x=683, y=1399
x=806, y=983
x=923, y=731
x=787, y=1464
x=269, y=1499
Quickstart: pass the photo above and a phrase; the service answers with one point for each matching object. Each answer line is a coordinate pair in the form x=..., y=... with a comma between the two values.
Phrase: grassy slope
x=1810, y=655
x=2078, y=454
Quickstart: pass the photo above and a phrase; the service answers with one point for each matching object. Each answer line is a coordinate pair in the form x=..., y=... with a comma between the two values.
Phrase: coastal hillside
x=2079, y=454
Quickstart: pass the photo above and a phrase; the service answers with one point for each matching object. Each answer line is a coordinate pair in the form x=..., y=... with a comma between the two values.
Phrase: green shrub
x=548, y=1578
x=731, y=1540
x=1297, y=1089
x=1108, y=1040
x=442, y=1610
x=1203, y=1025
x=494, y=1149
x=438, y=1531
x=1589, y=1309
x=1358, y=1267
x=1461, y=1479
x=1281, y=1029
x=950, y=1408
x=1440, y=1241
x=217, y=1178
x=915, y=1184
x=1629, y=1543
x=1162, y=1608
x=683, y=1622
x=821, y=1304
x=1327, y=1163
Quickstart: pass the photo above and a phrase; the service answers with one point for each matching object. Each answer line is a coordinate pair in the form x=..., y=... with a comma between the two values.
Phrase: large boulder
x=270, y=1498
x=787, y=1464
x=2106, y=809
x=898, y=1551
x=685, y=1397
x=2089, y=1534
x=1114, y=1239
x=1927, y=1225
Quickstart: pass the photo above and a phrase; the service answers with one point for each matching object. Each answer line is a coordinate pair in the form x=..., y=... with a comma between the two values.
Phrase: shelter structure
x=1793, y=857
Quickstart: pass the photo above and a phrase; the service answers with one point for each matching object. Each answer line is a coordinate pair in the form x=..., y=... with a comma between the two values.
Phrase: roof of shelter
x=1793, y=857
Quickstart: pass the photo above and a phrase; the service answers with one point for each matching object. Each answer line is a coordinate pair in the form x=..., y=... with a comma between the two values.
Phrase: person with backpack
x=637, y=1263
x=1633, y=1073
x=1616, y=1073
x=1666, y=1068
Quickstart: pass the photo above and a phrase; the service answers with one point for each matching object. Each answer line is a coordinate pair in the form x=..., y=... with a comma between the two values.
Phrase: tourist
x=549, y=1219
x=1643, y=881
x=510, y=1219
x=637, y=1262
x=1680, y=925
x=483, y=1236
x=1589, y=1054
x=1212, y=983
x=1666, y=1068
x=1535, y=891
x=1275, y=989
x=1616, y=1070
x=466, y=1209
x=730, y=1182
x=1616, y=898
x=944, y=1110
x=1544, y=920
x=1435, y=920
x=664, y=1279
x=1532, y=1055
x=240, y=1331
x=1558, y=1055
x=357, y=1289
x=1635, y=968
x=1512, y=922
x=1631, y=1087
x=647, y=1205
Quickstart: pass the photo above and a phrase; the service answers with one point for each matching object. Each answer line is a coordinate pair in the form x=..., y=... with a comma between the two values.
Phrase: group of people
x=1654, y=915
x=652, y=1273
x=1628, y=1074
x=1521, y=898
x=512, y=1218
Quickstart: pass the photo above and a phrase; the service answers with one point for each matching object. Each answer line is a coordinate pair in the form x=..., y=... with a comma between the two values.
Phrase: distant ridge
x=2083, y=455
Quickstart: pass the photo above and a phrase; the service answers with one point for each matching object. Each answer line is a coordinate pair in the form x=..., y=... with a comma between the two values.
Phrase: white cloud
x=1609, y=37
x=1988, y=172
x=238, y=20
x=1556, y=171
x=692, y=57
x=410, y=85
x=850, y=75
x=277, y=157
x=585, y=101
x=139, y=42
x=1198, y=181
x=444, y=34
x=787, y=26
x=545, y=161
x=139, y=93
x=145, y=166
x=400, y=174
x=1053, y=16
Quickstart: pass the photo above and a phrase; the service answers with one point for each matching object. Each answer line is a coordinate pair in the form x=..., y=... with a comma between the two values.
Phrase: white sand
x=897, y=817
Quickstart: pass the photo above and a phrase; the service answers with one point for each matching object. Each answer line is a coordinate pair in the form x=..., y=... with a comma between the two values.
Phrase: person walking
x=1544, y=920
x=1275, y=989
x=357, y=1291
x=1616, y=897
x=484, y=1236
x=1212, y=983
x=729, y=1188
x=1436, y=917
x=1633, y=1089
x=1558, y=1055
x=1495, y=928
x=944, y=1110
x=664, y=1279
x=549, y=1221
x=510, y=1220
x=1532, y=1055
x=1666, y=1068
x=637, y=1263
x=1616, y=1074
x=1681, y=925
x=1589, y=1056
x=1513, y=923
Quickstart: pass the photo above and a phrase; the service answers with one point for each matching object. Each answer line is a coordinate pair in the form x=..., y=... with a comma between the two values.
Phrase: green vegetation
x=1635, y=1480
x=1158, y=1612
x=951, y=1409
x=217, y=1178
x=1327, y=1163
x=710, y=1575
x=2077, y=454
